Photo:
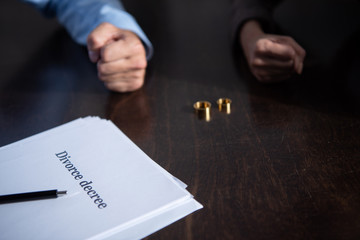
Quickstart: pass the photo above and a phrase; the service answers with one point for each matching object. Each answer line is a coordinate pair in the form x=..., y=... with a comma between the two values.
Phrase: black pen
x=29, y=196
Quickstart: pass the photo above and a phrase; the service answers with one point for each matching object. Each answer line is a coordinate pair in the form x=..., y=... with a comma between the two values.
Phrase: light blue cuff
x=123, y=20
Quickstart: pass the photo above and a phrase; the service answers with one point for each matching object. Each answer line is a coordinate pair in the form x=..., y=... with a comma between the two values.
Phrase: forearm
x=80, y=17
x=246, y=10
x=249, y=31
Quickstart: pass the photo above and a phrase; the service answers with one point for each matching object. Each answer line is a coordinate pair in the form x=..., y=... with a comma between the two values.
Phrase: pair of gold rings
x=202, y=108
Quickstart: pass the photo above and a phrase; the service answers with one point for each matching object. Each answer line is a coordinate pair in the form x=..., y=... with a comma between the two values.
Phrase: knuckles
x=140, y=63
x=257, y=62
x=136, y=66
x=103, y=69
x=107, y=54
x=262, y=46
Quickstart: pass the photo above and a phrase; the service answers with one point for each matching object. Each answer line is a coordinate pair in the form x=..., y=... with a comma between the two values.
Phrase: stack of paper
x=114, y=190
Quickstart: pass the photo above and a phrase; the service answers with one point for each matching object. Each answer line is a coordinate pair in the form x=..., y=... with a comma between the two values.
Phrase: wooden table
x=285, y=164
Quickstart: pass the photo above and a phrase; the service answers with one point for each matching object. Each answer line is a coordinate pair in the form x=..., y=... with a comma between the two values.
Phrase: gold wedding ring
x=202, y=110
x=224, y=105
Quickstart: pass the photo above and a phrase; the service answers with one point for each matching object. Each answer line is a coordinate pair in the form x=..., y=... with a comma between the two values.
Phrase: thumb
x=98, y=38
x=94, y=55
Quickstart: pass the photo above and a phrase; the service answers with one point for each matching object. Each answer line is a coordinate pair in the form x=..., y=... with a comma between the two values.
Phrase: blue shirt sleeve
x=80, y=17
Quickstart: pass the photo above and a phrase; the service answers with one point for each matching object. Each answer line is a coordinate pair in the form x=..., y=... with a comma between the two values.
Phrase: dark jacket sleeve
x=244, y=10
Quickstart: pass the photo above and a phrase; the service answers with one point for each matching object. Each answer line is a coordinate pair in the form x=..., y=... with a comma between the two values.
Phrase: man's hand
x=271, y=58
x=120, y=56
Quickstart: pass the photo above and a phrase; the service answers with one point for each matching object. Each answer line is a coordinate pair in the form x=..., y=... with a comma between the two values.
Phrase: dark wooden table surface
x=285, y=164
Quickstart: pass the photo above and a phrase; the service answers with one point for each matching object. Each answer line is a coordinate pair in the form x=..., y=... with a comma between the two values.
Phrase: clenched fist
x=271, y=58
x=120, y=57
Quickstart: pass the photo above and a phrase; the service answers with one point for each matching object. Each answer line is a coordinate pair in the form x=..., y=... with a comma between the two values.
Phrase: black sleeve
x=244, y=10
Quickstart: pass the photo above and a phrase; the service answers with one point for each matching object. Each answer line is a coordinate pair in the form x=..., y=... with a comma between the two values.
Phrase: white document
x=114, y=190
